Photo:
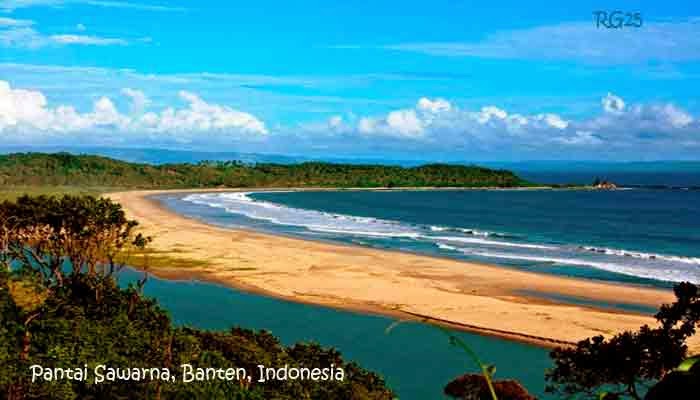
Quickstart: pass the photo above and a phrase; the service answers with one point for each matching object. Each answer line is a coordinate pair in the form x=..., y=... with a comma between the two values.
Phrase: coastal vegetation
x=650, y=363
x=70, y=330
x=627, y=364
x=69, y=172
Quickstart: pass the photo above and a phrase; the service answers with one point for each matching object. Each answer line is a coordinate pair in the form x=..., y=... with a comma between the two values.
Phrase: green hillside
x=67, y=170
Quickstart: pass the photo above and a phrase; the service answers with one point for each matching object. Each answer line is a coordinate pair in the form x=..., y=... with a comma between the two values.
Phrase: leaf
x=686, y=365
x=491, y=370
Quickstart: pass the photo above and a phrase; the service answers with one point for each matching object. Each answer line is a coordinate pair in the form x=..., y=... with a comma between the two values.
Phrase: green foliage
x=46, y=234
x=682, y=383
x=62, y=169
x=68, y=248
x=623, y=363
x=14, y=192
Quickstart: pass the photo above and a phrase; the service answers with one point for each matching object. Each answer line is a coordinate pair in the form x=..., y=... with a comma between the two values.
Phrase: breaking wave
x=641, y=255
x=653, y=271
x=467, y=241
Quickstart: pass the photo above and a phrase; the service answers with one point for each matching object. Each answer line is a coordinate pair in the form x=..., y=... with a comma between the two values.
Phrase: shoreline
x=467, y=296
x=364, y=309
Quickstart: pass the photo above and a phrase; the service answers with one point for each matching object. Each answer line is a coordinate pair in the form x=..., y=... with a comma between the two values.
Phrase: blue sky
x=444, y=80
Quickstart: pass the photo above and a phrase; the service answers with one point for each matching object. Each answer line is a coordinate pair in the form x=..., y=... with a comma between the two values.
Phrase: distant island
x=64, y=169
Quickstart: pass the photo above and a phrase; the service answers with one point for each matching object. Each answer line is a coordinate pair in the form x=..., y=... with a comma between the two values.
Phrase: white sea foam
x=470, y=231
x=492, y=242
x=641, y=255
x=665, y=273
x=444, y=246
x=475, y=242
x=241, y=203
x=476, y=232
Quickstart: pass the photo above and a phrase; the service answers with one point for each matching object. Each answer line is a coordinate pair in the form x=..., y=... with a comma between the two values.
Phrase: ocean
x=645, y=236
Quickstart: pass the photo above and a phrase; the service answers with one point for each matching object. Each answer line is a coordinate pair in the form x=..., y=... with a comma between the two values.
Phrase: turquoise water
x=415, y=359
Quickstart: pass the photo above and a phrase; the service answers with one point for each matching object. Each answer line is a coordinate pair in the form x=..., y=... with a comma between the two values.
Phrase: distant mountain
x=167, y=156
x=156, y=156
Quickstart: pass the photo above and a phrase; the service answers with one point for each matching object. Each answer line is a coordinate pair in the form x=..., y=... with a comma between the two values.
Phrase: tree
x=682, y=383
x=48, y=240
x=32, y=169
x=474, y=387
x=63, y=254
x=42, y=233
x=626, y=362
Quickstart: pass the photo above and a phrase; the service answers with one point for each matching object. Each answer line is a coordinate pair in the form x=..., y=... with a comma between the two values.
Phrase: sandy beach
x=475, y=297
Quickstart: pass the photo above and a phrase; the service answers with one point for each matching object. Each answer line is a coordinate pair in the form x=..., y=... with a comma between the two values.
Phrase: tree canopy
x=630, y=361
x=63, y=169
x=62, y=307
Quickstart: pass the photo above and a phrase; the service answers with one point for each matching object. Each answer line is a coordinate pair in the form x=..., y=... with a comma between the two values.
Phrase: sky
x=446, y=80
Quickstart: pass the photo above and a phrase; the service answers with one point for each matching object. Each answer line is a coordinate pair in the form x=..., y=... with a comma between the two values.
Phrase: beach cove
x=469, y=296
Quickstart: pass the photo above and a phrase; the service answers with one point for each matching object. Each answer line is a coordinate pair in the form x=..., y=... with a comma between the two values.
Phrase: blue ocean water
x=647, y=236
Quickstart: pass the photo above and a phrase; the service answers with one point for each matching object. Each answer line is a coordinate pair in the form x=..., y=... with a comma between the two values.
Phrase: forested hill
x=63, y=169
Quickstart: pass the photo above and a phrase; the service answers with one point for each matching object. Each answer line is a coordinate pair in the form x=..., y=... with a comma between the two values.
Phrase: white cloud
x=335, y=121
x=432, y=127
x=139, y=100
x=580, y=138
x=15, y=22
x=613, y=104
x=673, y=41
x=87, y=40
x=434, y=106
x=401, y=123
x=202, y=116
x=676, y=117
x=25, y=114
x=22, y=37
x=19, y=33
x=552, y=120
x=490, y=112
x=440, y=115
x=11, y=5
x=643, y=120
x=447, y=127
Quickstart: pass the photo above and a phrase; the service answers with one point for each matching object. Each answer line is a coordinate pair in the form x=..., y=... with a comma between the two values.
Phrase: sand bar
x=476, y=297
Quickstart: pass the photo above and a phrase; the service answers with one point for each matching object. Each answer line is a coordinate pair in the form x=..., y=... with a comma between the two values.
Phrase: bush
x=628, y=361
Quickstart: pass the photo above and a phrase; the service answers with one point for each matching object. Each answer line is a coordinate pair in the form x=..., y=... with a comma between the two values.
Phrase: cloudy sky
x=443, y=80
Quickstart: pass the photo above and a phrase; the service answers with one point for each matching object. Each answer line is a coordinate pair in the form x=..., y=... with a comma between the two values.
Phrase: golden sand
x=476, y=297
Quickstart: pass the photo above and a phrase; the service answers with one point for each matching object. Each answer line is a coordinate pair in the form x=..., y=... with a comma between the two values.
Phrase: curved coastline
x=478, y=298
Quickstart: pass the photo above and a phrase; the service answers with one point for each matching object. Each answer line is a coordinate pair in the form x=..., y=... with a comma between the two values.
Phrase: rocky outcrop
x=604, y=185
